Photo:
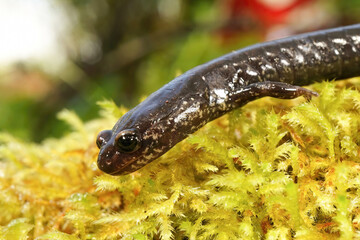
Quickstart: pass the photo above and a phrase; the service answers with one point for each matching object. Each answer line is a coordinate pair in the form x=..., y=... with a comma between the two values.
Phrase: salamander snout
x=107, y=159
x=117, y=151
x=106, y=153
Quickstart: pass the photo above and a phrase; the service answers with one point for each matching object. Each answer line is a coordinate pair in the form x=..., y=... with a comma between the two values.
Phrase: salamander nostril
x=103, y=137
x=104, y=164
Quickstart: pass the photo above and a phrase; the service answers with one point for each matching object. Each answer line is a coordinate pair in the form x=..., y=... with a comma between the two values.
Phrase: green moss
x=275, y=169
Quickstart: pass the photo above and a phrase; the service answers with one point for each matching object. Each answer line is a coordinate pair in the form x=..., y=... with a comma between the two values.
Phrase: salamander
x=275, y=68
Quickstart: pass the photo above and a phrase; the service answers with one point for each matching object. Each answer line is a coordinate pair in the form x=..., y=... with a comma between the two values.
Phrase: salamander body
x=275, y=68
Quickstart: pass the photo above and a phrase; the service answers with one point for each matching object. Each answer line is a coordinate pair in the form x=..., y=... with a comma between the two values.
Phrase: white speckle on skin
x=356, y=39
x=307, y=49
x=270, y=54
x=299, y=58
x=235, y=64
x=339, y=41
x=251, y=72
x=241, y=90
x=320, y=44
x=291, y=89
x=266, y=66
x=225, y=66
x=221, y=96
x=236, y=76
x=220, y=93
x=203, y=78
x=284, y=62
x=317, y=56
x=184, y=114
x=241, y=81
x=212, y=102
x=231, y=85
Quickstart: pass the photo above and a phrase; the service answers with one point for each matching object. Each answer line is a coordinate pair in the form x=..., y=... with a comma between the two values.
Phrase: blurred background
x=57, y=54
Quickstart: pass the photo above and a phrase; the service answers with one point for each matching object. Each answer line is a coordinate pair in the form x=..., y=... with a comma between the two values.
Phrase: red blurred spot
x=263, y=11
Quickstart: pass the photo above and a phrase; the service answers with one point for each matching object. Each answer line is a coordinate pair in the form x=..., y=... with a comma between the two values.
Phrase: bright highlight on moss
x=275, y=169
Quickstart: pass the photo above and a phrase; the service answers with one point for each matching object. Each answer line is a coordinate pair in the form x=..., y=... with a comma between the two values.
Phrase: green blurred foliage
x=15, y=114
x=349, y=10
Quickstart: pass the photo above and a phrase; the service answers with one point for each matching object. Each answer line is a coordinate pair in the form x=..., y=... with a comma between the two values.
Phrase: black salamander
x=275, y=68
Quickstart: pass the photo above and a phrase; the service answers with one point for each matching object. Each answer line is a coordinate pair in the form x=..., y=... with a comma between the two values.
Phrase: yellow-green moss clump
x=275, y=169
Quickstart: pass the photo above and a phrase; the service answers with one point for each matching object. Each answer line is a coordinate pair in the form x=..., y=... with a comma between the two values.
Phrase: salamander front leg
x=272, y=89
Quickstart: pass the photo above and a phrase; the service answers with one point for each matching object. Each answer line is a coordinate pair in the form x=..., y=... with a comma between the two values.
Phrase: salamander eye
x=103, y=137
x=128, y=140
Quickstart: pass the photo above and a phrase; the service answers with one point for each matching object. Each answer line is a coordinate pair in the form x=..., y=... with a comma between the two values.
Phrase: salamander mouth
x=122, y=171
x=116, y=173
x=112, y=162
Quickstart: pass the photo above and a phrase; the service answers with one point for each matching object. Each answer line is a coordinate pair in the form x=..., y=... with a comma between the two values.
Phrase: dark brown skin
x=275, y=68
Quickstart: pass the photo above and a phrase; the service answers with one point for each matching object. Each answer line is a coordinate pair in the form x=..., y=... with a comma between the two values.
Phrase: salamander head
x=153, y=127
x=125, y=151
x=132, y=144
x=117, y=151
